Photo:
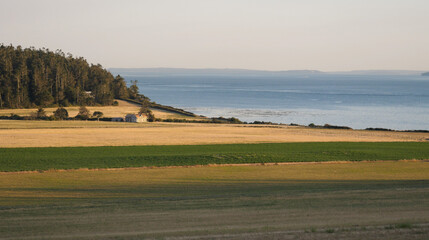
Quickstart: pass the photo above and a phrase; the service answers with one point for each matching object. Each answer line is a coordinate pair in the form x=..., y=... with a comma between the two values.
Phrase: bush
x=83, y=113
x=61, y=113
x=235, y=120
x=379, y=129
x=40, y=113
x=262, y=122
x=15, y=117
x=150, y=116
x=335, y=127
x=97, y=114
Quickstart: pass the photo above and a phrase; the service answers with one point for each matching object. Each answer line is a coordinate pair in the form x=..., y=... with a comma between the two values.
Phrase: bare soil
x=377, y=200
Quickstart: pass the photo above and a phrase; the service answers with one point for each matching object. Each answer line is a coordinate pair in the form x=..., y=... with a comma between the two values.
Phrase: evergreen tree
x=39, y=77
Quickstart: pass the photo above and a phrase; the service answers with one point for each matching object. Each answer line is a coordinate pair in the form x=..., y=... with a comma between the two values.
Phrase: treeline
x=208, y=120
x=32, y=77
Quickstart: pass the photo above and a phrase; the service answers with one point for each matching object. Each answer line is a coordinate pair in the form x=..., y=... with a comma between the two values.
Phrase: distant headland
x=245, y=72
x=425, y=74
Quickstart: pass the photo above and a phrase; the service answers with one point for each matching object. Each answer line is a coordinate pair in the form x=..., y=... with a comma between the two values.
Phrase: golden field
x=89, y=133
x=108, y=111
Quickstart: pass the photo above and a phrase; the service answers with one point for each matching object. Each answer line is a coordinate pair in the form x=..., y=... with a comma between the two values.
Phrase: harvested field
x=82, y=133
x=121, y=110
x=360, y=200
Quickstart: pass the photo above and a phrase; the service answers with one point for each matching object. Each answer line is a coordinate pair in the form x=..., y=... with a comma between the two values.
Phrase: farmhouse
x=136, y=118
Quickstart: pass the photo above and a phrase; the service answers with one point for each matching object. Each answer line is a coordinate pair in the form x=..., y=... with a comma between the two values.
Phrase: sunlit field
x=17, y=133
x=358, y=200
x=121, y=110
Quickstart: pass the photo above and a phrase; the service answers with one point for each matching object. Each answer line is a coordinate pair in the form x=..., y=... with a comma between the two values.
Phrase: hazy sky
x=326, y=35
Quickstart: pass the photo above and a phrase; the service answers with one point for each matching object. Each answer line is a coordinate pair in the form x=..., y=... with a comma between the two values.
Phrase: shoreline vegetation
x=194, y=119
x=215, y=120
x=46, y=158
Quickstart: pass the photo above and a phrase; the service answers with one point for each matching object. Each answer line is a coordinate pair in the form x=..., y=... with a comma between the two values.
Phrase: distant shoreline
x=238, y=71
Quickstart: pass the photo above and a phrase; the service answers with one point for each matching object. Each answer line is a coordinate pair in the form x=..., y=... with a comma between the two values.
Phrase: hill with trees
x=32, y=77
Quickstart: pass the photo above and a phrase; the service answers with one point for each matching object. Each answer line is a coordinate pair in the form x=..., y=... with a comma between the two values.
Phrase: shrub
x=335, y=127
x=61, y=113
x=150, y=116
x=83, y=113
x=378, y=129
x=15, y=117
x=235, y=120
x=97, y=114
x=40, y=113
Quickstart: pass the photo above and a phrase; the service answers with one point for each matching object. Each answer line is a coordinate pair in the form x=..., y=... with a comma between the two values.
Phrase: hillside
x=123, y=108
x=39, y=77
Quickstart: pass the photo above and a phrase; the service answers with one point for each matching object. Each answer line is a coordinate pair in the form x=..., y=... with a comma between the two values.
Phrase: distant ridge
x=206, y=71
x=380, y=72
x=425, y=74
x=244, y=72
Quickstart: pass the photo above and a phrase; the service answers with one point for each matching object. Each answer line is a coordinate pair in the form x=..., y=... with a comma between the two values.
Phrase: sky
x=326, y=35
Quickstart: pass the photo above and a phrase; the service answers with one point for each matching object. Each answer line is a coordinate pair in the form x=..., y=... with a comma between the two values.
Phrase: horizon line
x=265, y=70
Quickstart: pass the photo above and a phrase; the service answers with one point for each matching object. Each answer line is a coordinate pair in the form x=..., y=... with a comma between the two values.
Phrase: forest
x=32, y=77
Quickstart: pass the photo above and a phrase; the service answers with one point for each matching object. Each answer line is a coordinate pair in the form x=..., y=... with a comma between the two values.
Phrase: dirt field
x=366, y=200
x=81, y=133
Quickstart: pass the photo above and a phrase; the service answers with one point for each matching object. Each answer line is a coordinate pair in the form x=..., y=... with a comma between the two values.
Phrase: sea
x=359, y=101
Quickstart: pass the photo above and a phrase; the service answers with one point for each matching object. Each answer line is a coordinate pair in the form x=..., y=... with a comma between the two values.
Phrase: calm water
x=358, y=101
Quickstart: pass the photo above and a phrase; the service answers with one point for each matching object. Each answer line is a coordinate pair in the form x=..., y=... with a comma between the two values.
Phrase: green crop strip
x=27, y=159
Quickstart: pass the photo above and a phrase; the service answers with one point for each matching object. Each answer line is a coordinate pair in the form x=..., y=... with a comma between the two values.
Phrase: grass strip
x=31, y=159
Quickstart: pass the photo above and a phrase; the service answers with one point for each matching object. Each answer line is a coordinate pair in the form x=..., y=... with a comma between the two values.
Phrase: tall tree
x=39, y=77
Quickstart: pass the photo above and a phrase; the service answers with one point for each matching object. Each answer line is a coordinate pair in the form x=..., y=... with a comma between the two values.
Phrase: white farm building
x=138, y=118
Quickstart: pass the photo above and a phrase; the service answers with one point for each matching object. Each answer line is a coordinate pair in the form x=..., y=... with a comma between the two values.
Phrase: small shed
x=138, y=118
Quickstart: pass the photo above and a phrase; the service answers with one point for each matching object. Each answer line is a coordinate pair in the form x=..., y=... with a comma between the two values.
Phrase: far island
x=425, y=74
